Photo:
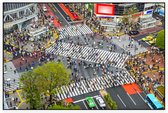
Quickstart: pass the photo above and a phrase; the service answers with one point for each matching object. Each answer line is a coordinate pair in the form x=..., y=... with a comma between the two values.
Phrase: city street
x=99, y=50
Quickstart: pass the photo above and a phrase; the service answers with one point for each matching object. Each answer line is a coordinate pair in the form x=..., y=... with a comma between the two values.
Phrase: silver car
x=100, y=101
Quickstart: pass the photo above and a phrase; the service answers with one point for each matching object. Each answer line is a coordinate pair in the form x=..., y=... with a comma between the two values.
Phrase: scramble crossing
x=94, y=84
x=76, y=30
x=89, y=54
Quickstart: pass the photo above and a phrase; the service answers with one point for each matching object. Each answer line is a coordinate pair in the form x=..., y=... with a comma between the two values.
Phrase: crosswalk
x=89, y=54
x=11, y=80
x=75, y=30
x=94, y=84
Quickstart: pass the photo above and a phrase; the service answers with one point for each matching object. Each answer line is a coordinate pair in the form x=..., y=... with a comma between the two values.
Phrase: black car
x=70, y=9
x=133, y=33
x=68, y=19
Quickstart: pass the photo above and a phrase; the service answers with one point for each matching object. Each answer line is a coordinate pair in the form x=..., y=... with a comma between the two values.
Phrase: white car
x=100, y=101
x=44, y=8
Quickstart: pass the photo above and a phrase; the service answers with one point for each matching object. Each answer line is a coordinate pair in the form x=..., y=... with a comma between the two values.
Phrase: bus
x=153, y=102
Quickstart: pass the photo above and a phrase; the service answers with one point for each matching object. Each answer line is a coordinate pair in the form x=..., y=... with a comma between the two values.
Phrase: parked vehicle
x=90, y=102
x=101, y=102
x=133, y=33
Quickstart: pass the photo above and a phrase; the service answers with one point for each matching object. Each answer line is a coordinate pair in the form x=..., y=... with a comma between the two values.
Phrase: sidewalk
x=50, y=13
x=149, y=31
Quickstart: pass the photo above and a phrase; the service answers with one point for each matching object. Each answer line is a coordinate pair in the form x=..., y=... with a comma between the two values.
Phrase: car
x=90, y=102
x=44, y=8
x=52, y=18
x=66, y=5
x=100, y=101
x=133, y=32
x=70, y=9
x=68, y=19
x=152, y=41
x=147, y=38
x=75, y=16
x=154, y=35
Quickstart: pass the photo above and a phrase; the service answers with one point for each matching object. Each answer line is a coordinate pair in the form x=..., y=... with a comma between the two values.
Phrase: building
x=141, y=12
x=16, y=14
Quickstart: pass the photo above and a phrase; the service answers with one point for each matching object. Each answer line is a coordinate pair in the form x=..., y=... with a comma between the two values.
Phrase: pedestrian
x=15, y=71
x=5, y=67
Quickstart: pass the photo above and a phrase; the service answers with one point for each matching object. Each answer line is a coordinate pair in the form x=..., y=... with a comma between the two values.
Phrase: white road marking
x=61, y=14
x=121, y=100
x=131, y=99
x=85, y=104
x=141, y=96
x=84, y=99
x=78, y=100
x=96, y=105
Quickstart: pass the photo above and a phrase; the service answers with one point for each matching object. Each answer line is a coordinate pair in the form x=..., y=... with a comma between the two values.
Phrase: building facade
x=18, y=13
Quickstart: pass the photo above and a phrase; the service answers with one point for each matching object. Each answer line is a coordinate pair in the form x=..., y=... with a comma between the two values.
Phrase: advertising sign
x=104, y=9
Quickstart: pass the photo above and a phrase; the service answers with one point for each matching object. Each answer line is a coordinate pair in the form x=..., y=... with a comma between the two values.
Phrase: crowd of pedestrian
x=22, y=43
x=148, y=69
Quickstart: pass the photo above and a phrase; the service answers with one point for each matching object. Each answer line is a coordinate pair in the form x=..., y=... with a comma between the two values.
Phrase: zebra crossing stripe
x=85, y=30
x=65, y=49
x=68, y=31
x=95, y=85
x=63, y=93
x=67, y=89
x=84, y=89
x=77, y=89
x=97, y=80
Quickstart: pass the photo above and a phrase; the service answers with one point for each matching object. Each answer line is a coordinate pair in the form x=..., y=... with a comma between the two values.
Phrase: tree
x=51, y=76
x=61, y=107
x=110, y=103
x=160, y=41
x=30, y=89
x=127, y=15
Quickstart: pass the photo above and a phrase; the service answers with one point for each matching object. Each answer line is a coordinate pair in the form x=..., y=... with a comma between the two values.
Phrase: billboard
x=148, y=12
x=104, y=9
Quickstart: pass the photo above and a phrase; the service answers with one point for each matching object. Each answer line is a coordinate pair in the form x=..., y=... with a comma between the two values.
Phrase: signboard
x=148, y=12
x=104, y=9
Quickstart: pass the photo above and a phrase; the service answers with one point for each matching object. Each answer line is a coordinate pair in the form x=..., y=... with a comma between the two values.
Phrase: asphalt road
x=118, y=94
x=126, y=101
x=60, y=15
x=83, y=104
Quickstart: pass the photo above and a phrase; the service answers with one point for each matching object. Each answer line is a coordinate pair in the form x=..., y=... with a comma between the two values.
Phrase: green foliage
x=30, y=89
x=130, y=11
x=110, y=103
x=52, y=75
x=61, y=107
x=125, y=19
x=160, y=39
x=43, y=80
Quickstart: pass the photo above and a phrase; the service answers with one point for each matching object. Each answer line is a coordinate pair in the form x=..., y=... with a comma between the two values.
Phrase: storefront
x=109, y=26
x=146, y=20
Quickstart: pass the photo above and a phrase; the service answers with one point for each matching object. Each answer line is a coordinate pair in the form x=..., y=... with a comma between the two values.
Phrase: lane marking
x=96, y=105
x=84, y=99
x=121, y=100
x=78, y=101
x=22, y=101
x=61, y=14
x=85, y=104
x=131, y=99
x=141, y=96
